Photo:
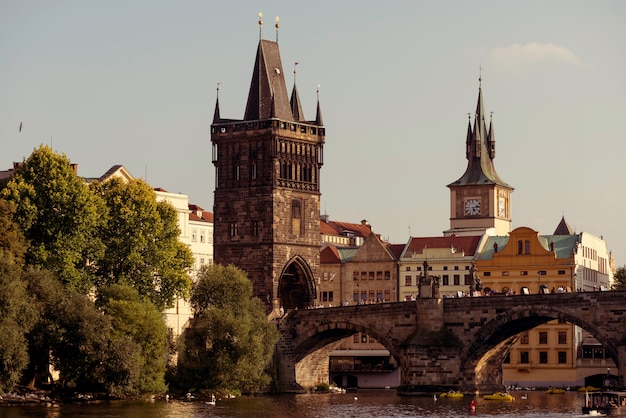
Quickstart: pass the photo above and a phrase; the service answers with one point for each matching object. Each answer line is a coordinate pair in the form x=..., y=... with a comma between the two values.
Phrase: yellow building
x=528, y=263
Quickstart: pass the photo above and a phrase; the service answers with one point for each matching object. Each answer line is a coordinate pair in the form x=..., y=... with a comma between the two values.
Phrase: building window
x=387, y=295
x=543, y=337
x=363, y=275
x=562, y=337
x=523, y=273
x=445, y=268
x=253, y=171
x=233, y=230
x=356, y=338
x=201, y=236
x=387, y=275
x=519, y=246
x=487, y=273
x=194, y=235
x=201, y=260
x=408, y=268
x=379, y=275
x=457, y=279
x=296, y=217
x=524, y=339
x=363, y=338
x=355, y=296
x=445, y=280
x=527, y=247
x=561, y=272
x=255, y=228
x=524, y=357
x=456, y=267
x=505, y=273
x=543, y=357
x=355, y=275
x=408, y=281
x=371, y=275
x=468, y=279
x=562, y=357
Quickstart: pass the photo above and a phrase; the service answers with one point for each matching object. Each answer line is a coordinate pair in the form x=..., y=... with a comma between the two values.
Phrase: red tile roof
x=460, y=243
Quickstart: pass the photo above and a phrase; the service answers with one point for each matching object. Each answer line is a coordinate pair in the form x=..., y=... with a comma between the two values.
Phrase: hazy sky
x=134, y=83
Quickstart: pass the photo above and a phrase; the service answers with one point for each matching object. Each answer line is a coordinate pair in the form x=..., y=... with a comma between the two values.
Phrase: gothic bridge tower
x=267, y=188
x=480, y=201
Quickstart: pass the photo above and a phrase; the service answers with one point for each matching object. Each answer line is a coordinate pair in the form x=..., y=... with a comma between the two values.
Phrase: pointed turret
x=491, y=139
x=563, y=228
x=267, y=81
x=318, y=114
x=216, y=114
x=296, y=107
x=480, y=151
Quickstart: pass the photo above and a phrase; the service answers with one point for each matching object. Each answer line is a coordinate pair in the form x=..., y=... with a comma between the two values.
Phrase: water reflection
x=373, y=403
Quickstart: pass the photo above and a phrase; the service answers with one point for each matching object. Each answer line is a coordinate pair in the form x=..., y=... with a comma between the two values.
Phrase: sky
x=134, y=83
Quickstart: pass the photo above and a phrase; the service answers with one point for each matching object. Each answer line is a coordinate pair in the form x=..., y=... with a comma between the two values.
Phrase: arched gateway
x=296, y=289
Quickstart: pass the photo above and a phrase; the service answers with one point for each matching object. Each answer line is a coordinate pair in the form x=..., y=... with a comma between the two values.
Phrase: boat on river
x=500, y=396
x=555, y=391
x=612, y=403
x=452, y=394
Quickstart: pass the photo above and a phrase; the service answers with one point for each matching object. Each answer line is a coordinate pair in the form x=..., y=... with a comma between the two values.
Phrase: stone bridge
x=442, y=344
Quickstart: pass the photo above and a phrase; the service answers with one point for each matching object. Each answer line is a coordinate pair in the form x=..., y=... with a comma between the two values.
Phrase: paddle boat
x=451, y=394
x=499, y=396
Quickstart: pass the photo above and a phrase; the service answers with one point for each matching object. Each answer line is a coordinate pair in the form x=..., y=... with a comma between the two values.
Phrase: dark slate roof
x=396, y=250
x=268, y=91
x=480, y=152
x=296, y=106
x=563, y=228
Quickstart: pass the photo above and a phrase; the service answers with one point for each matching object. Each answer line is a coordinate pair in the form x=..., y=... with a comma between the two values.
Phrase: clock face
x=472, y=207
x=501, y=207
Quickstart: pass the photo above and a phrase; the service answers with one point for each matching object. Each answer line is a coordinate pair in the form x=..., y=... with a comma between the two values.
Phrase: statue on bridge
x=428, y=286
x=475, y=284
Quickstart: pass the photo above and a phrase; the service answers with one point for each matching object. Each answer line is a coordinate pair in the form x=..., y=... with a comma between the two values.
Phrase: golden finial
x=276, y=26
x=260, y=23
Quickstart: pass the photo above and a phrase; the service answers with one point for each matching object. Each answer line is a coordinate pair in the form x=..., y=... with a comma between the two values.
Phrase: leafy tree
x=142, y=246
x=59, y=216
x=619, y=279
x=17, y=313
x=71, y=334
x=231, y=342
x=140, y=336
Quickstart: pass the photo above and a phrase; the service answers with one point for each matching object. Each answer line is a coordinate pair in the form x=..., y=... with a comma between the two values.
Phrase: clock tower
x=480, y=201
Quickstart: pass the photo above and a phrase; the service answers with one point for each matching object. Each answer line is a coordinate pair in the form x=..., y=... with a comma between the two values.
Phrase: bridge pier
x=621, y=365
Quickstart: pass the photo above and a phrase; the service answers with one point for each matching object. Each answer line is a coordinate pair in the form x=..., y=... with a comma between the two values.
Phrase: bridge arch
x=487, y=351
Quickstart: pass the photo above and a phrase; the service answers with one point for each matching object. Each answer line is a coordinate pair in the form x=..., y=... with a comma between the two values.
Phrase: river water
x=364, y=403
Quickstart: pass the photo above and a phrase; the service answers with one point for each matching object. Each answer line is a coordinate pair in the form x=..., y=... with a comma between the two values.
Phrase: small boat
x=589, y=389
x=499, y=396
x=451, y=394
x=524, y=396
x=612, y=403
x=555, y=391
x=212, y=401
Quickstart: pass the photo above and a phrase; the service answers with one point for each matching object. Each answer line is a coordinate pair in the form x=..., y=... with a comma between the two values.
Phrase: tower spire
x=260, y=26
x=296, y=106
x=216, y=113
x=318, y=114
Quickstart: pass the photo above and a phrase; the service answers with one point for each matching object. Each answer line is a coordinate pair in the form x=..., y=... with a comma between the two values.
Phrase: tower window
x=255, y=228
x=233, y=229
x=296, y=217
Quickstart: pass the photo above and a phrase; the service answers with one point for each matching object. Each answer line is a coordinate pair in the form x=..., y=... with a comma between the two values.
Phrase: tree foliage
x=17, y=313
x=619, y=279
x=59, y=216
x=140, y=337
x=231, y=342
x=141, y=240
